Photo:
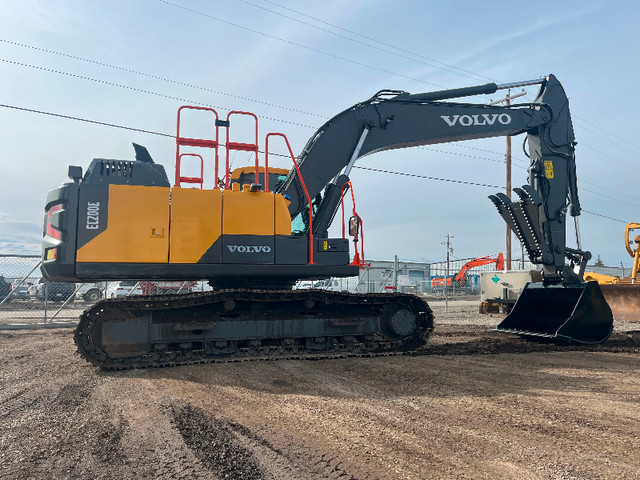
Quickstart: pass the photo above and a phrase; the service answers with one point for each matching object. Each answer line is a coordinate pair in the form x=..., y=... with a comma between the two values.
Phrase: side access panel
x=123, y=224
x=248, y=227
x=196, y=226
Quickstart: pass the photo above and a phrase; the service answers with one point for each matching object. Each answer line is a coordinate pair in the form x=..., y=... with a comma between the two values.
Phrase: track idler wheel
x=398, y=322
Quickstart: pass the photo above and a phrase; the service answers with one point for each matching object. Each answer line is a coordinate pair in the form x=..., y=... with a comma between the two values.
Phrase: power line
x=406, y=54
x=426, y=177
x=75, y=57
x=615, y=159
x=580, y=119
x=457, y=154
x=124, y=127
x=270, y=118
x=607, y=140
x=157, y=77
x=604, y=216
x=299, y=45
x=427, y=61
x=106, y=124
x=610, y=190
x=200, y=103
x=86, y=120
x=525, y=168
x=139, y=90
x=608, y=133
x=610, y=198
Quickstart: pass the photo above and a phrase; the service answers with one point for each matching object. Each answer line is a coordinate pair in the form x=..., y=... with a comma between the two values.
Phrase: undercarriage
x=224, y=325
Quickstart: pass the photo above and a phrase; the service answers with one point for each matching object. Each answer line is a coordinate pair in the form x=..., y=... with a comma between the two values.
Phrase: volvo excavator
x=259, y=230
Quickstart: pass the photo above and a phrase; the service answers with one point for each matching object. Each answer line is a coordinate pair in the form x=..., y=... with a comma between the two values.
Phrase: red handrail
x=196, y=142
x=180, y=178
x=358, y=258
x=266, y=159
x=304, y=187
x=247, y=147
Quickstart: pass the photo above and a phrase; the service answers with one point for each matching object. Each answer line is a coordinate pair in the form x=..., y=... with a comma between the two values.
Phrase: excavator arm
x=395, y=119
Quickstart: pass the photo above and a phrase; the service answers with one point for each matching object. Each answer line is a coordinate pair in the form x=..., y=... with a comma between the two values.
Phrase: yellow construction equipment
x=623, y=296
x=601, y=278
x=635, y=254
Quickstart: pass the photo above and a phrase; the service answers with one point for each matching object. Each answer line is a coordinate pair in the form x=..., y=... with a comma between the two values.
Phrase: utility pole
x=446, y=278
x=507, y=101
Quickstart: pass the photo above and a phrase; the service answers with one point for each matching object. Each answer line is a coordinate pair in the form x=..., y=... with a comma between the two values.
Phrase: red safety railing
x=180, y=179
x=304, y=187
x=246, y=147
x=196, y=142
x=358, y=258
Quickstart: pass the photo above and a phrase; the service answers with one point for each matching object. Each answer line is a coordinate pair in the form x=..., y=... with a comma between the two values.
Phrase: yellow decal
x=548, y=168
x=325, y=245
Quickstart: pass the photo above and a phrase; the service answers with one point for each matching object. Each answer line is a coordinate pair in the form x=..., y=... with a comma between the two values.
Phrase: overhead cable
x=140, y=90
x=157, y=77
x=406, y=54
x=299, y=45
x=426, y=177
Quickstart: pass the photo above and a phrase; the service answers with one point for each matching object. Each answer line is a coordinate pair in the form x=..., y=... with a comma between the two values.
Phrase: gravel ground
x=474, y=404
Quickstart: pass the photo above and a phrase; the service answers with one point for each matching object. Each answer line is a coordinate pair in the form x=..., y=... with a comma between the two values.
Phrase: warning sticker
x=548, y=168
x=325, y=245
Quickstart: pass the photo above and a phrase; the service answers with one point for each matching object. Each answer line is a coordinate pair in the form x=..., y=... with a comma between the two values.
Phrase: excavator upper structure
x=259, y=230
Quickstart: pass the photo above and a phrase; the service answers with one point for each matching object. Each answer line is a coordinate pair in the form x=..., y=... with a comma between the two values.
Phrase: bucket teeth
x=529, y=192
x=501, y=202
x=522, y=217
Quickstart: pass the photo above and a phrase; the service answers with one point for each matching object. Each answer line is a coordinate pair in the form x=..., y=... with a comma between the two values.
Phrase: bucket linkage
x=563, y=308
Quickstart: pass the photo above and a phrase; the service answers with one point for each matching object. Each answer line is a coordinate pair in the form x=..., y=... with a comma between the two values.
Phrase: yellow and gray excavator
x=259, y=230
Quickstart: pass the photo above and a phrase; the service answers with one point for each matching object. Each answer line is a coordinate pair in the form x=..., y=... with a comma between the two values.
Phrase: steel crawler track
x=232, y=325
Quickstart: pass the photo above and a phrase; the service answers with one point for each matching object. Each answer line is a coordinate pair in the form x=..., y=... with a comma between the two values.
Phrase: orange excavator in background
x=461, y=276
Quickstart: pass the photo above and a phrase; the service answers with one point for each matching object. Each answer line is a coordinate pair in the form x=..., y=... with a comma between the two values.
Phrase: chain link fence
x=26, y=298
x=431, y=280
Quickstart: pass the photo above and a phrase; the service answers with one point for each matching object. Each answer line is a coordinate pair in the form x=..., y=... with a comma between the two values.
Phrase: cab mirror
x=354, y=226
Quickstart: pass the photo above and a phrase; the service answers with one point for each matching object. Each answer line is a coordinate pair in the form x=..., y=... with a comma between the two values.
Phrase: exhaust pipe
x=564, y=314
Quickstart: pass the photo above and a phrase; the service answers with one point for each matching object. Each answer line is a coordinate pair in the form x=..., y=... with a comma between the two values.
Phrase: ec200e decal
x=93, y=215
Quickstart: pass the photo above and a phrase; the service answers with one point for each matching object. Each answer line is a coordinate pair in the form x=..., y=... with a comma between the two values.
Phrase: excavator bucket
x=624, y=300
x=570, y=314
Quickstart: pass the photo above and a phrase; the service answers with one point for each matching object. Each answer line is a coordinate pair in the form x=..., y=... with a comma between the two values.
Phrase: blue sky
x=296, y=64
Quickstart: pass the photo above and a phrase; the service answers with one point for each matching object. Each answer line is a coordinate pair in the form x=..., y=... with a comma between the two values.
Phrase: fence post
x=46, y=298
x=69, y=298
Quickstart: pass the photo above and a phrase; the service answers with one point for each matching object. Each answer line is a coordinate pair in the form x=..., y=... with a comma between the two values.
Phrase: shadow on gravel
x=494, y=343
x=486, y=365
